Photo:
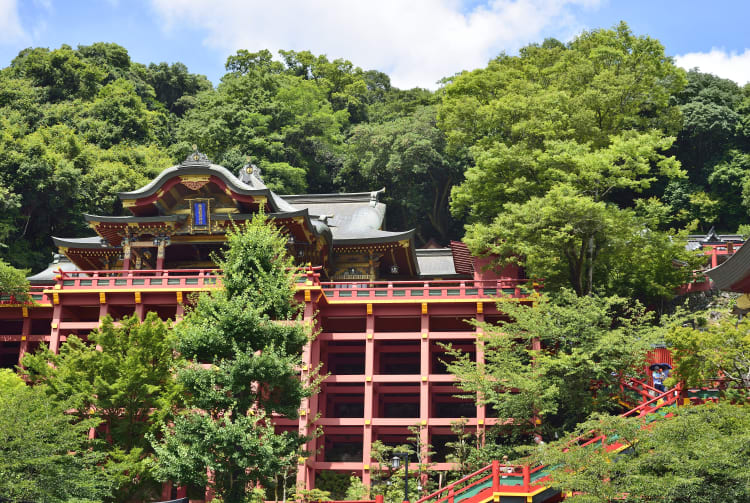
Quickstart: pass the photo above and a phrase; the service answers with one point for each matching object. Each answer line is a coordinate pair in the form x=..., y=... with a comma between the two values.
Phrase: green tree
x=584, y=125
x=243, y=342
x=699, y=455
x=77, y=124
x=61, y=73
x=712, y=149
x=45, y=453
x=123, y=379
x=408, y=156
x=718, y=349
x=558, y=361
x=13, y=282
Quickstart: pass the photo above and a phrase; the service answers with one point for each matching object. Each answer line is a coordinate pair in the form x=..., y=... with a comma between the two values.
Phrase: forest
x=587, y=162
x=590, y=159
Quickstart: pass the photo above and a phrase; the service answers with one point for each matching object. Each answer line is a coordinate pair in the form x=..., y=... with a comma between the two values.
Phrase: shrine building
x=383, y=307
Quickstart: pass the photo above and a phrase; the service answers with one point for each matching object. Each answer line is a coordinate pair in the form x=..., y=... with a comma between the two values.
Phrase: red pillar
x=140, y=309
x=25, y=331
x=305, y=472
x=481, y=409
x=126, y=254
x=160, y=252
x=166, y=491
x=424, y=389
x=54, y=337
x=369, y=395
x=495, y=475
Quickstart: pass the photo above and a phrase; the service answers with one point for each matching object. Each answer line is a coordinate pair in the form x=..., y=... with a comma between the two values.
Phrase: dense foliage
x=705, y=350
x=604, y=125
x=699, y=455
x=559, y=361
x=124, y=379
x=244, y=345
x=45, y=453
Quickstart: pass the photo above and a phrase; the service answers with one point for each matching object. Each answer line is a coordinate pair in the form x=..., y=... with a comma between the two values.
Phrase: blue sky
x=415, y=41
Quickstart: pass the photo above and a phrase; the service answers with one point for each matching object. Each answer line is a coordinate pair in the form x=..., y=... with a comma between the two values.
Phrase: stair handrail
x=452, y=485
x=669, y=397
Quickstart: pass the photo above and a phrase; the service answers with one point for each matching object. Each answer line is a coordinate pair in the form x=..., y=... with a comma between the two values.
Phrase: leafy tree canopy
x=123, y=378
x=244, y=343
x=698, y=455
x=574, y=343
x=45, y=453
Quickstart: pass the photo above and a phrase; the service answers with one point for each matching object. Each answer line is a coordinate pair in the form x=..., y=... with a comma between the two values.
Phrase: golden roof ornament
x=196, y=158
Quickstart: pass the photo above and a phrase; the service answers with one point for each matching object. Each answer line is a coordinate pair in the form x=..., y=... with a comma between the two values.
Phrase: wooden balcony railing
x=198, y=279
x=428, y=289
x=36, y=296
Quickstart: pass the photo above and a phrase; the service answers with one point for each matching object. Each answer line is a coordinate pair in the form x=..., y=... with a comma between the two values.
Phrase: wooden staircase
x=526, y=484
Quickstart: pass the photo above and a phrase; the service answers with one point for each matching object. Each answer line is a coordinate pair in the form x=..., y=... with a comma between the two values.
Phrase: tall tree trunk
x=590, y=266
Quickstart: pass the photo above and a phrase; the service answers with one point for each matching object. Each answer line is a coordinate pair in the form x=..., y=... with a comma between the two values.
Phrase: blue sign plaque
x=199, y=213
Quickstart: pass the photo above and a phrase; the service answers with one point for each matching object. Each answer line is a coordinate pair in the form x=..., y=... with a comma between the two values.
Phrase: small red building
x=382, y=306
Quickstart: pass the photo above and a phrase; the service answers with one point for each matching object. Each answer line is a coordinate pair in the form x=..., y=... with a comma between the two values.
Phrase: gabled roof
x=91, y=242
x=343, y=209
x=47, y=276
x=436, y=262
x=250, y=185
x=733, y=274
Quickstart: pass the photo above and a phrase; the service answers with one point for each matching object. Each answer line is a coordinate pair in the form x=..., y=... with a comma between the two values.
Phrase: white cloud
x=719, y=62
x=11, y=31
x=416, y=42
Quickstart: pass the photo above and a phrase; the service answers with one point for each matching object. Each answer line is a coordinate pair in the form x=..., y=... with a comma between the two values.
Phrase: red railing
x=207, y=278
x=506, y=478
x=427, y=289
x=642, y=388
x=156, y=278
x=36, y=295
x=664, y=399
x=141, y=279
x=514, y=478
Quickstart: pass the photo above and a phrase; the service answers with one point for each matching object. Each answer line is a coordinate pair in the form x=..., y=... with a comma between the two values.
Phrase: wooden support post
x=160, y=252
x=140, y=310
x=54, y=336
x=481, y=409
x=126, y=254
x=367, y=434
x=210, y=494
x=310, y=360
x=25, y=332
x=495, y=476
x=424, y=389
x=166, y=491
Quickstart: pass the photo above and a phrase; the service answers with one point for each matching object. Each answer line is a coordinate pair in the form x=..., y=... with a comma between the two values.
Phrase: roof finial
x=196, y=157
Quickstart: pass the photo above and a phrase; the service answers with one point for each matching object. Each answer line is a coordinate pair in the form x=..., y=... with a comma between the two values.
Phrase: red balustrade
x=397, y=290
x=36, y=296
